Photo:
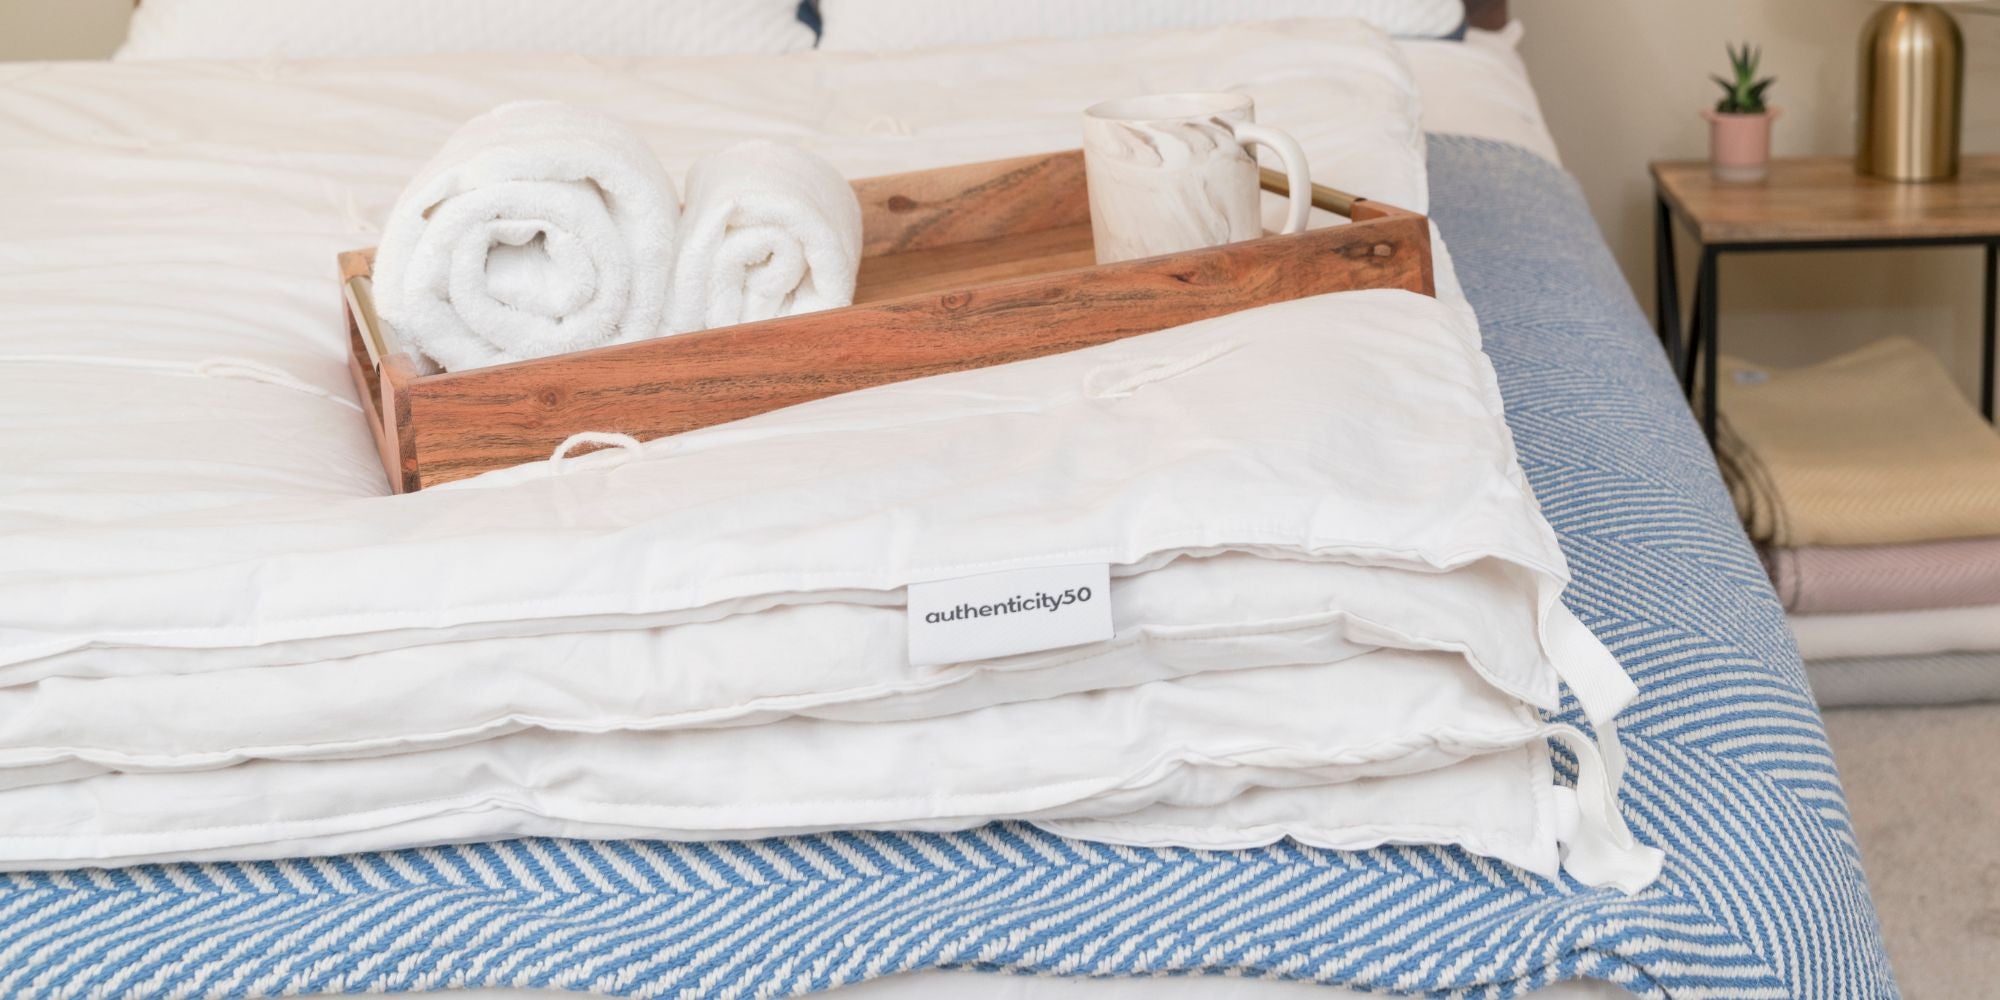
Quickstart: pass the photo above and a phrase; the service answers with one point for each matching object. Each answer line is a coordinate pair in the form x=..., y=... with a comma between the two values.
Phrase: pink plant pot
x=1740, y=145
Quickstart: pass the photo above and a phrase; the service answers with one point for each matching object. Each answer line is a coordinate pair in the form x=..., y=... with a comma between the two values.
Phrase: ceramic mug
x=1173, y=172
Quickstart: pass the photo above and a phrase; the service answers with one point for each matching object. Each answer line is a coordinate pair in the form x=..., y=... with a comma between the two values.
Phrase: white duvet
x=175, y=213
x=1290, y=485
x=217, y=638
x=1322, y=581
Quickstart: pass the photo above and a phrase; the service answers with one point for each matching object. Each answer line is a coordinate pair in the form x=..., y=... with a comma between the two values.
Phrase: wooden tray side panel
x=1375, y=211
x=383, y=388
x=397, y=376
x=462, y=423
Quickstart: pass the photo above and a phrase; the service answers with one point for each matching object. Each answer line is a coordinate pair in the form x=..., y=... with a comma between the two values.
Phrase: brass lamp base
x=1912, y=92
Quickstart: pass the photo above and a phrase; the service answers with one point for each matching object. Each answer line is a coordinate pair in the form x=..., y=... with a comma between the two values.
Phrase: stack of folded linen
x=1272, y=575
x=1874, y=489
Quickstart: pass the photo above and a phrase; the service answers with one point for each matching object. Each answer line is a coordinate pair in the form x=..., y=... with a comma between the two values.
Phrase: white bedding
x=1189, y=616
x=314, y=29
x=902, y=25
x=236, y=172
x=194, y=175
x=1198, y=742
x=183, y=202
x=1392, y=458
x=1480, y=87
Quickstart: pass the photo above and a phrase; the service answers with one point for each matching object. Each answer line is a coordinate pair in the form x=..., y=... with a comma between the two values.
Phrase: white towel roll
x=769, y=230
x=539, y=229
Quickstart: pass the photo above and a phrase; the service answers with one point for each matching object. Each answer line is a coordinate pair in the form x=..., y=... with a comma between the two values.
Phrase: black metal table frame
x=1702, y=333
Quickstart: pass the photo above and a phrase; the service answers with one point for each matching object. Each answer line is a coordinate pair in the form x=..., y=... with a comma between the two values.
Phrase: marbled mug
x=1173, y=172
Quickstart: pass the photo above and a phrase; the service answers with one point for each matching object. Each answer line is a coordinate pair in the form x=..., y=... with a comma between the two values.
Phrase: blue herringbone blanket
x=1762, y=895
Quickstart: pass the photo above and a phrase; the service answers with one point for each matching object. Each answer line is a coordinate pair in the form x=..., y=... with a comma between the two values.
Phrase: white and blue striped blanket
x=1762, y=894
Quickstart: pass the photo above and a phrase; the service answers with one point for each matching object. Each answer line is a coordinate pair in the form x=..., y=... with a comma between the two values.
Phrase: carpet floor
x=1924, y=784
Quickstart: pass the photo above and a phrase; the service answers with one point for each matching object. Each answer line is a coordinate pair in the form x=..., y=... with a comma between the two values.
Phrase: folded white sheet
x=1897, y=633
x=768, y=230
x=538, y=229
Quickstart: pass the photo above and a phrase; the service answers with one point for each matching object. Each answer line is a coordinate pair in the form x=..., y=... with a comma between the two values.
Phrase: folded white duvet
x=1193, y=615
x=1358, y=429
x=672, y=643
x=1257, y=534
x=1502, y=804
x=1195, y=741
x=1189, y=744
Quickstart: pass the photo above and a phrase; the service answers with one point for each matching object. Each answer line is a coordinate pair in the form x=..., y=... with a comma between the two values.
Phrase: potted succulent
x=1739, y=129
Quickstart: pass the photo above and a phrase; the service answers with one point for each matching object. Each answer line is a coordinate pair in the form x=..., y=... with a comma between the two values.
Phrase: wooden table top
x=1823, y=198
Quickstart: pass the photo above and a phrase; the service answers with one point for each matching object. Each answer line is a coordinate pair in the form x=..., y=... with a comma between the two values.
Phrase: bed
x=1763, y=893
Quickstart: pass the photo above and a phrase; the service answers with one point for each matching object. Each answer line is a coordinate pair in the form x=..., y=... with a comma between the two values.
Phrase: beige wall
x=1622, y=81
x=61, y=29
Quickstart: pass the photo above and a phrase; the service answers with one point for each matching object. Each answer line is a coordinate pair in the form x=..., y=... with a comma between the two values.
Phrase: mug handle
x=1297, y=176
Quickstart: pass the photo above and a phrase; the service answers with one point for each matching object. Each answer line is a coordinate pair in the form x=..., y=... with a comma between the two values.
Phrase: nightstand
x=1810, y=204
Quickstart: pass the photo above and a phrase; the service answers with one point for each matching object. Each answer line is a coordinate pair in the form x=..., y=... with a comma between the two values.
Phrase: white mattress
x=1479, y=88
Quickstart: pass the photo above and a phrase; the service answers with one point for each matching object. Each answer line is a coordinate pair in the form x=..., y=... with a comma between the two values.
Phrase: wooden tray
x=963, y=267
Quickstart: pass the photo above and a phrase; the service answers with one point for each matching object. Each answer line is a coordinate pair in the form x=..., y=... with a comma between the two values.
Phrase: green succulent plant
x=1745, y=94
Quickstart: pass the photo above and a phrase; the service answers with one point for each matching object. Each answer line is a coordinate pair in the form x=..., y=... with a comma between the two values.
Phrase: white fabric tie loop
x=603, y=439
x=1598, y=848
x=1593, y=674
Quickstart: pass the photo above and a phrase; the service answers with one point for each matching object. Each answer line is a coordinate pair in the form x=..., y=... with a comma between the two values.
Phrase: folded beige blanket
x=1876, y=447
x=1958, y=574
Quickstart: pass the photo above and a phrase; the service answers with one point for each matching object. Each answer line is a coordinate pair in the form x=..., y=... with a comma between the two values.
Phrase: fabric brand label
x=1003, y=614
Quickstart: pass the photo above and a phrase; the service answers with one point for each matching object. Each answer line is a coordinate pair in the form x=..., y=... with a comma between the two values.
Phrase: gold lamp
x=1912, y=93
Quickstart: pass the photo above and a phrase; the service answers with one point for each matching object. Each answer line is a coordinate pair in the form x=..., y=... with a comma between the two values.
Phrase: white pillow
x=894, y=25
x=322, y=29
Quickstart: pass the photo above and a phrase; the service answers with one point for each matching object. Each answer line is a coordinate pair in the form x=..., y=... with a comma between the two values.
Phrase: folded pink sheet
x=1836, y=580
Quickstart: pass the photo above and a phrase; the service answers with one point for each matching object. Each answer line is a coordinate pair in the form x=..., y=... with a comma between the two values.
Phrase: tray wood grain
x=965, y=267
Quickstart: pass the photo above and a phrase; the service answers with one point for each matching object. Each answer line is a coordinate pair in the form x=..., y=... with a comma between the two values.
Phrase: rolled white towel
x=539, y=228
x=769, y=230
